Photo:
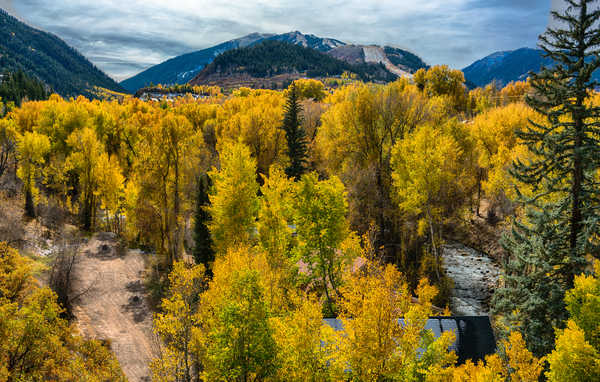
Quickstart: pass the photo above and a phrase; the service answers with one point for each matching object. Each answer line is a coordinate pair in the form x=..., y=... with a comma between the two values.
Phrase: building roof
x=474, y=334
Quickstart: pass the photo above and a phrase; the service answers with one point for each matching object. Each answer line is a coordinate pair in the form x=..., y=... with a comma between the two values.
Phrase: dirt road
x=114, y=307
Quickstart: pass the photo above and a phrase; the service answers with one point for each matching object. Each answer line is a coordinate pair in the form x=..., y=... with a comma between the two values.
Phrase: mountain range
x=65, y=71
x=48, y=58
x=504, y=67
x=182, y=69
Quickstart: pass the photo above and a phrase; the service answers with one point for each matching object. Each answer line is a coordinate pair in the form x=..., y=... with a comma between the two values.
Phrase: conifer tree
x=203, y=250
x=296, y=137
x=549, y=246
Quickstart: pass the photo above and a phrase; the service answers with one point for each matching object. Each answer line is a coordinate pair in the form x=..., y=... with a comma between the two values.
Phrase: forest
x=261, y=213
x=269, y=58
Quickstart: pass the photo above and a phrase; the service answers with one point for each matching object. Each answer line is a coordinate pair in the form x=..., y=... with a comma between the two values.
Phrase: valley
x=290, y=207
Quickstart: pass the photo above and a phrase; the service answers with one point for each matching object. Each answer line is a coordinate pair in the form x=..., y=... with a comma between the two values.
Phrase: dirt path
x=114, y=307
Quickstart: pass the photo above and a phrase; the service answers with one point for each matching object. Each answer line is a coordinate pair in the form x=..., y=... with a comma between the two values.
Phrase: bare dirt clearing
x=114, y=306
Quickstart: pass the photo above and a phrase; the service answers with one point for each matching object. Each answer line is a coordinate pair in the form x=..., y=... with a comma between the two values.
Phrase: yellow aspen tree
x=275, y=233
x=175, y=324
x=86, y=152
x=426, y=175
x=309, y=88
x=15, y=274
x=8, y=143
x=443, y=81
x=520, y=364
x=375, y=344
x=490, y=370
x=170, y=155
x=240, y=344
x=322, y=227
x=256, y=120
x=306, y=345
x=573, y=359
x=495, y=134
x=32, y=149
x=110, y=190
x=234, y=200
x=275, y=216
x=583, y=304
x=37, y=344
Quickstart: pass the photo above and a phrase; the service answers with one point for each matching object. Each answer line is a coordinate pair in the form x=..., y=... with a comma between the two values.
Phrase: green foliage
x=203, y=250
x=16, y=87
x=294, y=132
x=404, y=59
x=574, y=359
x=37, y=344
x=234, y=200
x=321, y=226
x=583, y=304
x=48, y=58
x=270, y=58
x=549, y=247
x=241, y=345
x=531, y=297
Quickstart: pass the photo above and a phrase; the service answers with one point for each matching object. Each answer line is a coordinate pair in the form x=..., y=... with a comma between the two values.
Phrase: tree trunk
x=576, y=216
x=434, y=247
x=29, y=207
x=176, y=213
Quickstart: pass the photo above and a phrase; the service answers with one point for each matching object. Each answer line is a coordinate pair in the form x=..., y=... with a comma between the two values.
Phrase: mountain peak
x=181, y=69
x=505, y=66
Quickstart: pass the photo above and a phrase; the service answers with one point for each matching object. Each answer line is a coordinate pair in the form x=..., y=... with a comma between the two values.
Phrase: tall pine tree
x=203, y=250
x=296, y=137
x=549, y=247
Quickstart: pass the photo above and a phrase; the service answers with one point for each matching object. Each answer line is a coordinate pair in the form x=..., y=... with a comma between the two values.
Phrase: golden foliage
x=37, y=344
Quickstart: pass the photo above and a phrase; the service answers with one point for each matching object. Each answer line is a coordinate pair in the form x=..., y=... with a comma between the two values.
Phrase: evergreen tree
x=549, y=246
x=18, y=87
x=203, y=250
x=296, y=137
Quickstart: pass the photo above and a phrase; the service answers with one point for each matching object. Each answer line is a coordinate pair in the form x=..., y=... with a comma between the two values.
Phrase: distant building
x=474, y=334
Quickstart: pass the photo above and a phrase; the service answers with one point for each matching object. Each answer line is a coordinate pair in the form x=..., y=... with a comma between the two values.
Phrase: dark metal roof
x=474, y=334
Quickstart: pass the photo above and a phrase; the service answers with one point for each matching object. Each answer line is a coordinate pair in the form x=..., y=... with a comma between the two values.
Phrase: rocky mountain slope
x=397, y=61
x=182, y=69
x=48, y=58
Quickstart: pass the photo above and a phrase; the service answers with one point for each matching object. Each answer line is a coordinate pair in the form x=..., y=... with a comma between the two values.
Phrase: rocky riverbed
x=475, y=277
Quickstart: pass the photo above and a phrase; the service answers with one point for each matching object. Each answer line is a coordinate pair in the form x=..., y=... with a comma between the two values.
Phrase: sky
x=124, y=37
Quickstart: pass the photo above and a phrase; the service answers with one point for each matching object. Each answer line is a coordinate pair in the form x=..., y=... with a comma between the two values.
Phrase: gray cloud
x=124, y=37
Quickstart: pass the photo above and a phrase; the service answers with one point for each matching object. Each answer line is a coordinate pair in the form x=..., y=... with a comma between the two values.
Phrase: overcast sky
x=123, y=37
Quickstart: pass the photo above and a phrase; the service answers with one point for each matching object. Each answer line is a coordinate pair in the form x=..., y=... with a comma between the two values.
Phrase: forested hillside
x=509, y=66
x=181, y=69
x=273, y=58
x=16, y=87
x=48, y=58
